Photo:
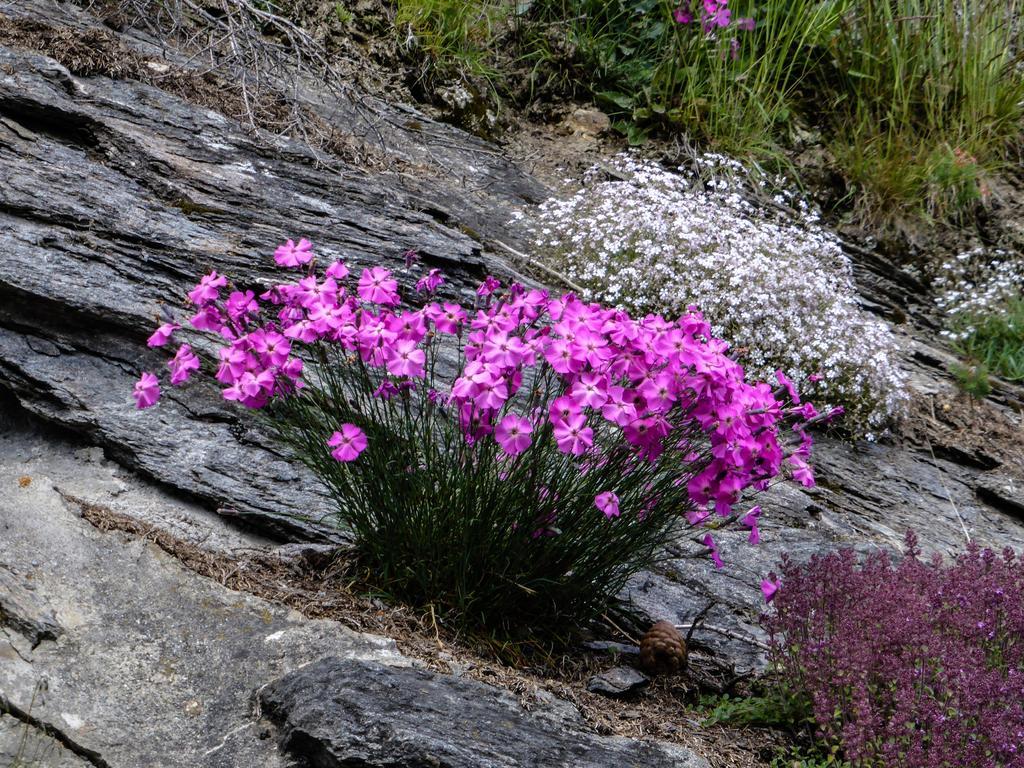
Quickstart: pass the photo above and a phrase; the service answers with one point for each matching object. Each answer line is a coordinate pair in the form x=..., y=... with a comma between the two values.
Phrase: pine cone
x=663, y=650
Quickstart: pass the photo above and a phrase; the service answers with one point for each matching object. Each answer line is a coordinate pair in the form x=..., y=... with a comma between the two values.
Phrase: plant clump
x=780, y=291
x=513, y=461
x=915, y=665
x=981, y=294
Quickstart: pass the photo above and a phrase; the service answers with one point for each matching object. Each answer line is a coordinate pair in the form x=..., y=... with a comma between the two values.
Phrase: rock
x=588, y=122
x=618, y=682
x=341, y=713
x=22, y=744
x=153, y=664
x=612, y=648
x=23, y=611
x=126, y=194
x=1002, y=492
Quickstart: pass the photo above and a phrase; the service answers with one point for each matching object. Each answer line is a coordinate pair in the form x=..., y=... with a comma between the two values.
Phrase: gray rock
x=22, y=744
x=115, y=196
x=153, y=665
x=343, y=713
x=618, y=682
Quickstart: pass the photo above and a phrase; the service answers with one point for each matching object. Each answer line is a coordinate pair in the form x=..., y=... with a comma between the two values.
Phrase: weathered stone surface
x=344, y=713
x=23, y=745
x=617, y=682
x=154, y=665
x=115, y=196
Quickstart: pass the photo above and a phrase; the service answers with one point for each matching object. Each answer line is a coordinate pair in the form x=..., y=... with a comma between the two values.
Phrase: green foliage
x=920, y=99
x=996, y=343
x=778, y=707
x=781, y=708
x=814, y=757
x=972, y=380
x=638, y=63
x=924, y=97
x=493, y=543
x=455, y=34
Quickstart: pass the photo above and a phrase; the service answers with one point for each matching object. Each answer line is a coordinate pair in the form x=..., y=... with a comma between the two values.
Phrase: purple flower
x=347, y=443
x=709, y=542
x=768, y=589
x=162, y=335
x=292, y=255
x=488, y=286
x=147, y=391
x=608, y=503
x=376, y=286
x=182, y=365
x=430, y=282
x=750, y=521
x=208, y=289
x=745, y=24
x=337, y=271
x=683, y=15
x=513, y=434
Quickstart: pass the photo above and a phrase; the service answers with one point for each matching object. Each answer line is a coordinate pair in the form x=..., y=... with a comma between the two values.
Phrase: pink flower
x=207, y=290
x=488, y=286
x=292, y=255
x=182, y=365
x=788, y=386
x=683, y=15
x=162, y=335
x=147, y=391
x=573, y=435
x=240, y=306
x=750, y=521
x=272, y=347
x=710, y=544
x=430, y=282
x=386, y=390
x=590, y=390
x=404, y=358
x=348, y=443
x=446, y=320
x=608, y=503
x=564, y=408
x=376, y=286
x=337, y=270
x=745, y=24
x=251, y=389
x=208, y=318
x=513, y=434
x=768, y=589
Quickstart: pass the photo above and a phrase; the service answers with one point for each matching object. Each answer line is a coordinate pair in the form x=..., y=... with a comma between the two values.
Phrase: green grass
x=925, y=100
x=782, y=709
x=919, y=101
x=996, y=343
x=456, y=34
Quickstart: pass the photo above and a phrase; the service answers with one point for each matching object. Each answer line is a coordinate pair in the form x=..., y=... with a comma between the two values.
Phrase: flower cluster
x=591, y=422
x=915, y=665
x=976, y=284
x=780, y=291
x=714, y=16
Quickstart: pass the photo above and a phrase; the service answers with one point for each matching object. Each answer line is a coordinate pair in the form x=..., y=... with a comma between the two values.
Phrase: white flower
x=780, y=290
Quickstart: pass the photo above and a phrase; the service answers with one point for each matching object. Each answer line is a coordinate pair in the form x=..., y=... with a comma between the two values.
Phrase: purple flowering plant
x=908, y=665
x=716, y=21
x=512, y=461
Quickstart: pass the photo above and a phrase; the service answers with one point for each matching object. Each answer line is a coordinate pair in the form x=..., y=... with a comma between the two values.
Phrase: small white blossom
x=781, y=292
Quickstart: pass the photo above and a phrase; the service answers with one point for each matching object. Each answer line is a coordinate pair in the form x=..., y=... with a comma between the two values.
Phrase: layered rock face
x=114, y=196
